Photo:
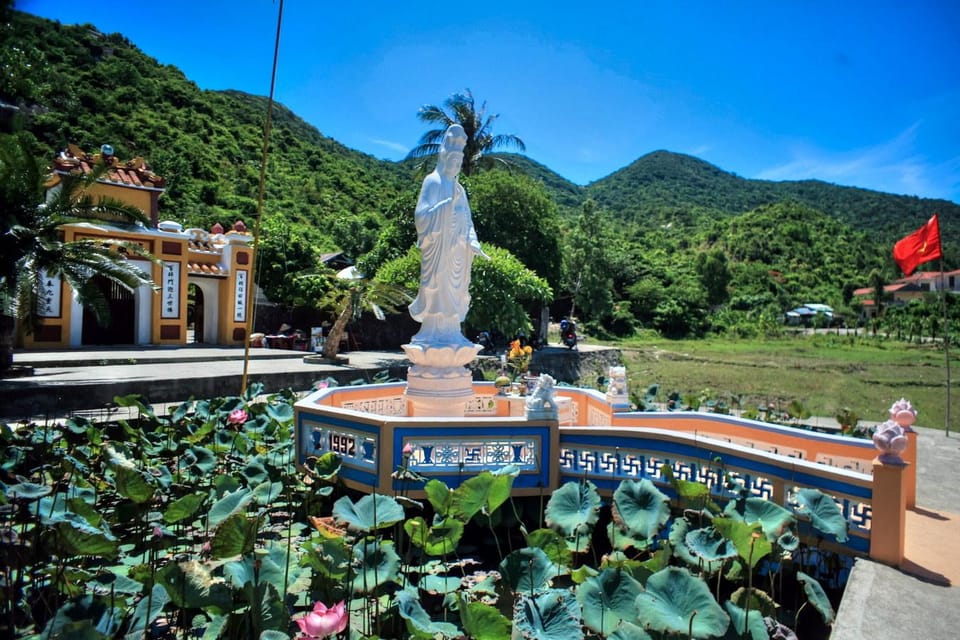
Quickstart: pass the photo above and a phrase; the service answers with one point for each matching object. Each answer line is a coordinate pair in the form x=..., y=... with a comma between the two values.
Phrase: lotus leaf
x=75, y=619
x=371, y=512
x=439, y=584
x=817, y=597
x=327, y=466
x=788, y=541
x=573, y=508
x=148, y=610
x=759, y=600
x=183, y=508
x=376, y=563
x=28, y=491
x=484, y=492
x=678, y=536
x=483, y=622
x=266, y=493
x=234, y=536
x=823, y=511
x=438, y=539
x=255, y=472
x=280, y=411
x=756, y=629
x=77, y=537
x=116, y=582
x=709, y=544
x=228, y=505
x=271, y=565
x=224, y=484
x=639, y=509
x=751, y=544
x=553, y=544
x=629, y=631
x=676, y=602
x=328, y=556
x=608, y=599
x=551, y=615
x=202, y=458
x=79, y=424
x=773, y=518
x=192, y=584
x=440, y=496
x=581, y=573
x=226, y=440
x=418, y=622
x=133, y=484
x=527, y=570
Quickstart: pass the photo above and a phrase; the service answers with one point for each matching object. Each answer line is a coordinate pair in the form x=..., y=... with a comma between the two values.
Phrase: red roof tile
x=132, y=172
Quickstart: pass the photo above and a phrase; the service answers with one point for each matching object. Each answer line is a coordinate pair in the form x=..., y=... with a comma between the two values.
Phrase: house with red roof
x=913, y=287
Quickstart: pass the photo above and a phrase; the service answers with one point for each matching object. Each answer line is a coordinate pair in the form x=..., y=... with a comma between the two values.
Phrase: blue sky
x=856, y=93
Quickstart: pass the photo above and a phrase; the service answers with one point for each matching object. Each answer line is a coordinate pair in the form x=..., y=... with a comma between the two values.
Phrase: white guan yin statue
x=438, y=382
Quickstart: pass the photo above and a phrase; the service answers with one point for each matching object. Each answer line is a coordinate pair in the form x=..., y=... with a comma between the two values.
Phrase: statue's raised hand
x=439, y=205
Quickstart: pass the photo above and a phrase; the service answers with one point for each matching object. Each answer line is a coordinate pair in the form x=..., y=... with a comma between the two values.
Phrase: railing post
x=889, y=504
x=910, y=475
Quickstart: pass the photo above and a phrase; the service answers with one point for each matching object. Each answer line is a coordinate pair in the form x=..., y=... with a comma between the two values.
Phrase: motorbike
x=485, y=340
x=568, y=333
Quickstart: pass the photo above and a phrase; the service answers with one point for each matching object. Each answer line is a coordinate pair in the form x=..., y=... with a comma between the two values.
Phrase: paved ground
x=65, y=382
x=921, y=600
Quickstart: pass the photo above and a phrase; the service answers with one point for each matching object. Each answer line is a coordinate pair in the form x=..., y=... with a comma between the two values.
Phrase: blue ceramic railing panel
x=607, y=460
x=453, y=455
x=355, y=442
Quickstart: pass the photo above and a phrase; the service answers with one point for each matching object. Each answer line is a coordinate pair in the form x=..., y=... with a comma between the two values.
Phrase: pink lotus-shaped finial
x=903, y=413
x=891, y=440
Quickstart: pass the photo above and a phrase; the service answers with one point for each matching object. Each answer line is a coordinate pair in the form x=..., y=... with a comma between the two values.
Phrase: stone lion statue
x=618, y=381
x=542, y=402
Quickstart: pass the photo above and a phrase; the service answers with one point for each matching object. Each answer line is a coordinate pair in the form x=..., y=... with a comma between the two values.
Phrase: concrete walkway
x=920, y=600
x=78, y=380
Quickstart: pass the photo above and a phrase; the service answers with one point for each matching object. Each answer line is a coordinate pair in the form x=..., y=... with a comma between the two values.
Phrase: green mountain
x=73, y=84
x=663, y=181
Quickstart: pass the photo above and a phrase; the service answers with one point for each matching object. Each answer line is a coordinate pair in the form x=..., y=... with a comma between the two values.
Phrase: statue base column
x=438, y=383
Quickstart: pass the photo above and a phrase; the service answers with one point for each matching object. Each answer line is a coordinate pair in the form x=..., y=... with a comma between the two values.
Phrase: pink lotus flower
x=237, y=416
x=323, y=622
x=408, y=449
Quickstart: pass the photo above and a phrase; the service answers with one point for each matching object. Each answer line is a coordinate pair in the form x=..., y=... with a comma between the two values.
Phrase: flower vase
x=530, y=383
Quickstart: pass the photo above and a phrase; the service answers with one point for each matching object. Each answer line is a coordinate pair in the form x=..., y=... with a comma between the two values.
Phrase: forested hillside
x=670, y=242
x=663, y=180
x=77, y=85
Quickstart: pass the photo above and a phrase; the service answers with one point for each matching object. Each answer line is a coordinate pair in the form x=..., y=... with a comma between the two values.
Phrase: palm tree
x=350, y=297
x=32, y=244
x=461, y=109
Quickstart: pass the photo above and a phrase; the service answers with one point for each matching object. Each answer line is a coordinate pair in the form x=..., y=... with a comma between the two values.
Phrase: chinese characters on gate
x=240, y=307
x=171, y=290
x=48, y=296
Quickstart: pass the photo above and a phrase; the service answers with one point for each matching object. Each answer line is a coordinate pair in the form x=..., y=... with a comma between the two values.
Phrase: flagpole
x=251, y=299
x=946, y=342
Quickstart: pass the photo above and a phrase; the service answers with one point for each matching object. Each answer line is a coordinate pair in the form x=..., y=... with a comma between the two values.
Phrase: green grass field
x=824, y=372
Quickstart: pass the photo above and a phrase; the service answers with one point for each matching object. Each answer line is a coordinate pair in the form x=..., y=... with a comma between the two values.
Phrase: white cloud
x=393, y=146
x=892, y=167
x=699, y=151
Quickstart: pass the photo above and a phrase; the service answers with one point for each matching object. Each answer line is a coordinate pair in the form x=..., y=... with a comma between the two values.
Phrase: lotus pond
x=198, y=524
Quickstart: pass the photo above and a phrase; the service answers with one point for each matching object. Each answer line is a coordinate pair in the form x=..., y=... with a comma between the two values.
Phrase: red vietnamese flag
x=923, y=245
